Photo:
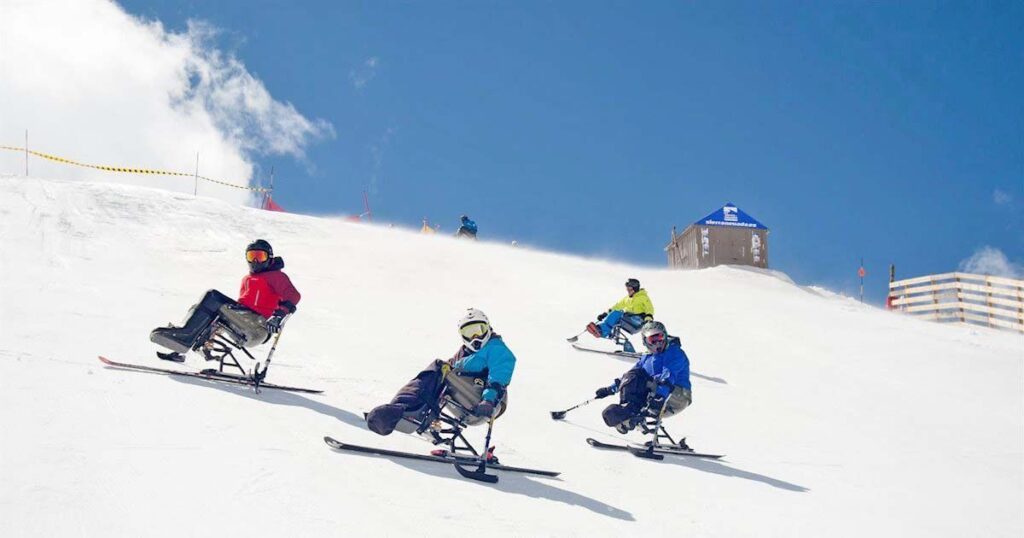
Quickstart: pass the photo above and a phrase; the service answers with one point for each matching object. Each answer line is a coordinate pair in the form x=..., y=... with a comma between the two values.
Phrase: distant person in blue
x=476, y=377
x=467, y=229
x=661, y=378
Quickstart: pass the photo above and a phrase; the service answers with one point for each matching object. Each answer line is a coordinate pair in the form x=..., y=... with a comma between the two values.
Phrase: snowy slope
x=837, y=419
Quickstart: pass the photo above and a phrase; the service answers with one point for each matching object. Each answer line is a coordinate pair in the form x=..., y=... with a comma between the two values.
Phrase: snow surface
x=837, y=419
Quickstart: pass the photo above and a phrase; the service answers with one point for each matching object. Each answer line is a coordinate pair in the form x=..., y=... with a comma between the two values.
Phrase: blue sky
x=892, y=132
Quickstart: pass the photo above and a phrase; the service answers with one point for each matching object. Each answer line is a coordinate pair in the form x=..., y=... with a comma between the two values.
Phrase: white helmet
x=655, y=336
x=475, y=329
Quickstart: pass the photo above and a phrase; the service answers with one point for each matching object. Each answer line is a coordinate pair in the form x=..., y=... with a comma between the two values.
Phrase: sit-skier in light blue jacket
x=496, y=359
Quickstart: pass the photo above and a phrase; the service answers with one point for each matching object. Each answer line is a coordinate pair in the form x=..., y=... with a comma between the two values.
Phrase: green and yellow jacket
x=639, y=303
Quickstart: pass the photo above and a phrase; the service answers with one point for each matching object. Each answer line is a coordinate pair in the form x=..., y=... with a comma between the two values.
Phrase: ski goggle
x=473, y=331
x=256, y=256
x=655, y=339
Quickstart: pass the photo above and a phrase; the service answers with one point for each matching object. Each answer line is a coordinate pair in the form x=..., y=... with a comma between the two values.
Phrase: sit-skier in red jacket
x=266, y=289
x=266, y=296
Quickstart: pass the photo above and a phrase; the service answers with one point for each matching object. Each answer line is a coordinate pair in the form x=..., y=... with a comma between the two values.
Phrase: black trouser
x=634, y=389
x=202, y=314
x=420, y=391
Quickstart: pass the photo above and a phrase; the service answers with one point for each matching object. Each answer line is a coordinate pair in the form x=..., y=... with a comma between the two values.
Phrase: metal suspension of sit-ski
x=658, y=431
x=443, y=428
x=620, y=337
x=219, y=346
x=480, y=473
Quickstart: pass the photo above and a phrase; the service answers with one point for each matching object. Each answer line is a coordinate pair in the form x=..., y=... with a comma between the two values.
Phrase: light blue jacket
x=497, y=359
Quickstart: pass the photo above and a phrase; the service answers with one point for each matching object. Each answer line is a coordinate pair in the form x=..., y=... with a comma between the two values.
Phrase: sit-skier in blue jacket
x=665, y=366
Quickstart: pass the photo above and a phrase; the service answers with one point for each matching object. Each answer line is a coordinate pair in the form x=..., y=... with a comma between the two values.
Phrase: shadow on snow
x=518, y=484
x=719, y=468
x=706, y=465
x=279, y=397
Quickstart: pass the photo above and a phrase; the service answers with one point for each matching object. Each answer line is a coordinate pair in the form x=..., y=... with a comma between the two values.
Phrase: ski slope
x=837, y=419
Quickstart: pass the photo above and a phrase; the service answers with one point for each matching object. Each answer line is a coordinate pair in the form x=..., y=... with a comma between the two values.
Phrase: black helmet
x=256, y=264
x=633, y=284
x=655, y=336
x=261, y=244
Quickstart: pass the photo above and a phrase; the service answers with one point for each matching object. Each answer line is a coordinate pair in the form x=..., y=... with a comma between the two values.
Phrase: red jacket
x=264, y=292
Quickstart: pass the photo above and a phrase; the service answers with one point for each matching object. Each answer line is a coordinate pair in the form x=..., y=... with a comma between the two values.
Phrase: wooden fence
x=979, y=299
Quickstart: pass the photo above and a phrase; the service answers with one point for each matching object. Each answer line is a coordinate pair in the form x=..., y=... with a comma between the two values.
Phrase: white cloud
x=1001, y=197
x=362, y=75
x=377, y=150
x=92, y=83
x=991, y=261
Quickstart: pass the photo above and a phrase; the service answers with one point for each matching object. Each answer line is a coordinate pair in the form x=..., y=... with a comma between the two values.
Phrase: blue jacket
x=469, y=226
x=671, y=366
x=497, y=359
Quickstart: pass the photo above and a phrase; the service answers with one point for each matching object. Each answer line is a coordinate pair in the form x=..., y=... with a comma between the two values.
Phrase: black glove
x=648, y=317
x=605, y=392
x=484, y=409
x=275, y=321
x=601, y=316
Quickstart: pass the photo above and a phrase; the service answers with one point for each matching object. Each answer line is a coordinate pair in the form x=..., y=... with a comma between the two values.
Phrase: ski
x=624, y=354
x=212, y=376
x=646, y=452
x=449, y=459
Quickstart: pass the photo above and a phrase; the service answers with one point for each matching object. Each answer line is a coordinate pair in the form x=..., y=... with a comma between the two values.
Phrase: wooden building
x=727, y=236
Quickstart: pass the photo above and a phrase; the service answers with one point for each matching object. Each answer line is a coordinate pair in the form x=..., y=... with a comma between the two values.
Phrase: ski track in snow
x=836, y=418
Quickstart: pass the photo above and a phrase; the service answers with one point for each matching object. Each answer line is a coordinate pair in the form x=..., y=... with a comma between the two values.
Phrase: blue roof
x=730, y=215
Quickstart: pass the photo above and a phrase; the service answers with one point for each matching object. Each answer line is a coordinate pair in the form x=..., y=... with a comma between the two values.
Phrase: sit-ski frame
x=651, y=424
x=450, y=432
x=219, y=347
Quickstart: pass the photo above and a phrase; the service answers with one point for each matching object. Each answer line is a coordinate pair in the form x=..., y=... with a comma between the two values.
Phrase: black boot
x=173, y=356
x=178, y=339
x=200, y=316
x=383, y=418
x=617, y=415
